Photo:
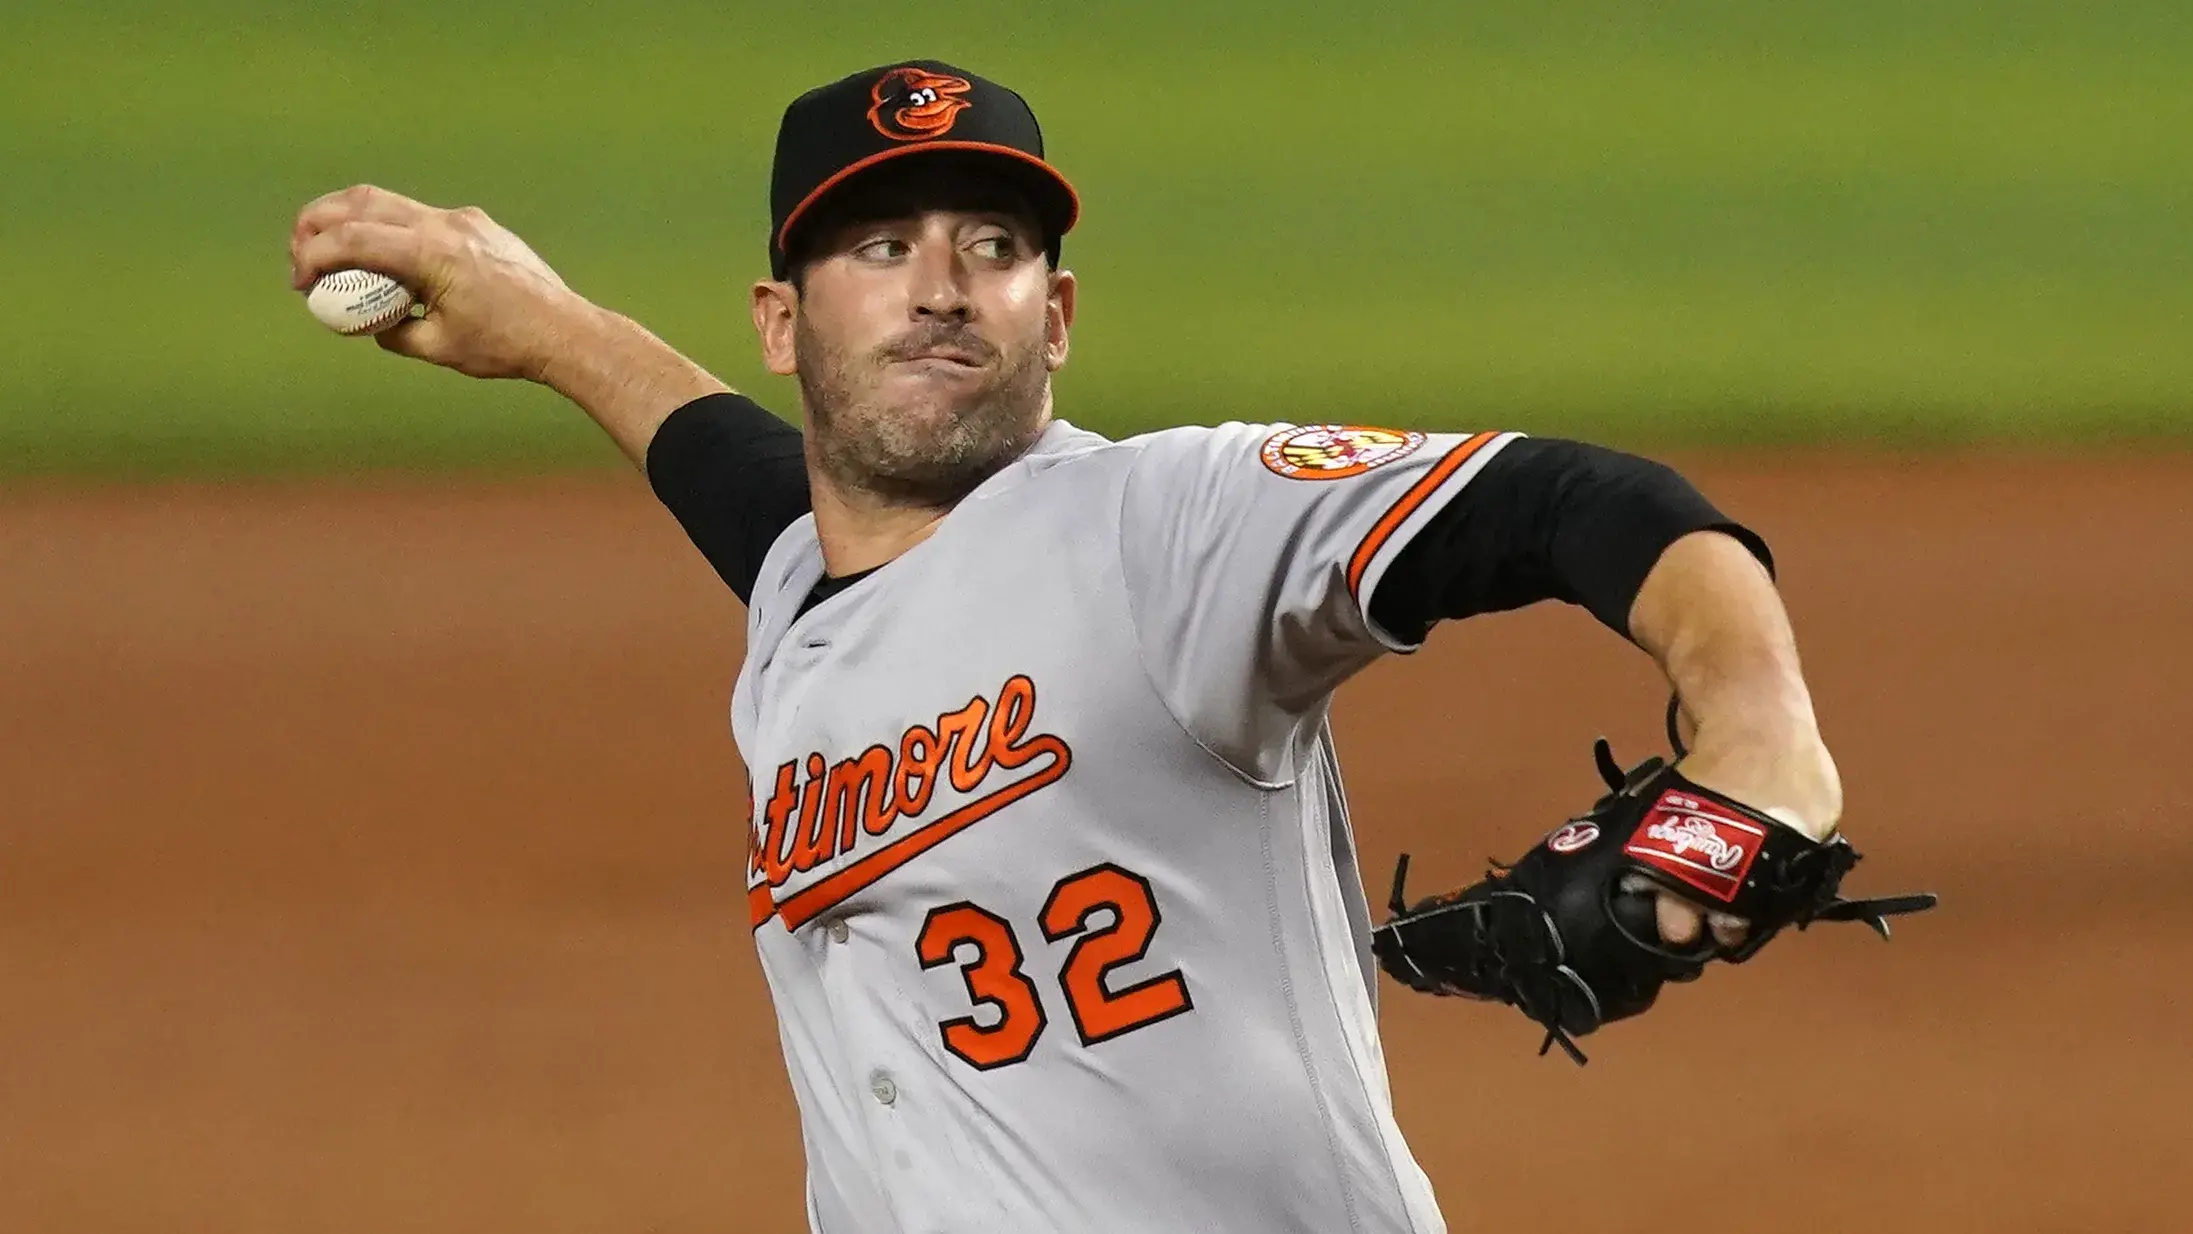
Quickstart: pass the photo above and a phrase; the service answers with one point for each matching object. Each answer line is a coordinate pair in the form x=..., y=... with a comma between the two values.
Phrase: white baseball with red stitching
x=359, y=301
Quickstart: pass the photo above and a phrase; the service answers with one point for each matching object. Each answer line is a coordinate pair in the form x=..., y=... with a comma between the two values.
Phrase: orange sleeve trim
x=1418, y=493
x=759, y=906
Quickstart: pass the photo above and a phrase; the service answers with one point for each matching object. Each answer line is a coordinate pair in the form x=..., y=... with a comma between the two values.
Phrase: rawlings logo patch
x=1335, y=451
x=1695, y=836
x=1698, y=843
x=1573, y=837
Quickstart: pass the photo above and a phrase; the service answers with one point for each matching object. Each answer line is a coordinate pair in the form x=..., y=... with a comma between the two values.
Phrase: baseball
x=359, y=301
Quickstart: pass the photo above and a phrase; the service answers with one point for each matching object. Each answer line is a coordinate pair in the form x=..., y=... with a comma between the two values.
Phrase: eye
x=882, y=248
x=999, y=247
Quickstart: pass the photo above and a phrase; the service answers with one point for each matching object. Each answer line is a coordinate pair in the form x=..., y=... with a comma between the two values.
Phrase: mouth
x=951, y=356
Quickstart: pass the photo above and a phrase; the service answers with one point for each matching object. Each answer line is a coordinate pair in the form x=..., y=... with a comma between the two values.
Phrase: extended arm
x=495, y=309
x=732, y=474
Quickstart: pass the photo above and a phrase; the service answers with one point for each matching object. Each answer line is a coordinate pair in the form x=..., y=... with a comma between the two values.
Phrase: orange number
x=994, y=978
x=1101, y=1014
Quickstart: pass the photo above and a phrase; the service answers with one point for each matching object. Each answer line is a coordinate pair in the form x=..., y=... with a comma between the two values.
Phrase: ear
x=1058, y=318
x=776, y=307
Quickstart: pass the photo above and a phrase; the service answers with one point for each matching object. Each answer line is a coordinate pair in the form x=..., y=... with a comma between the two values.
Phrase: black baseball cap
x=833, y=133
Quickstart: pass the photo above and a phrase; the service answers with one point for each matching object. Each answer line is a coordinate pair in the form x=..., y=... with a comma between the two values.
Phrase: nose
x=940, y=281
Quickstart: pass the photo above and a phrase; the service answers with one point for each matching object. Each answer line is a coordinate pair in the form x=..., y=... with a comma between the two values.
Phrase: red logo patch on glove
x=1697, y=842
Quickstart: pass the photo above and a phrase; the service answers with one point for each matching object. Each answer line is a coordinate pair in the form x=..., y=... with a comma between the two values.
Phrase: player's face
x=924, y=345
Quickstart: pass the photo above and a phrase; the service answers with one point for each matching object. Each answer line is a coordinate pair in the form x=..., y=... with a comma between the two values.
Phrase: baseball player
x=1050, y=863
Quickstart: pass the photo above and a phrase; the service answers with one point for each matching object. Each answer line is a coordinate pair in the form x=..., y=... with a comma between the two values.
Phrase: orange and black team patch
x=917, y=105
x=1335, y=451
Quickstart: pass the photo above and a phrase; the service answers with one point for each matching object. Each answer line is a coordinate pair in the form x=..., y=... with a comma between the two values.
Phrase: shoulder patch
x=1335, y=451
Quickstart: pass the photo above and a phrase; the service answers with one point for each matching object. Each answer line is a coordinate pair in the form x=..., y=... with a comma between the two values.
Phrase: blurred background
x=370, y=834
x=1696, y=221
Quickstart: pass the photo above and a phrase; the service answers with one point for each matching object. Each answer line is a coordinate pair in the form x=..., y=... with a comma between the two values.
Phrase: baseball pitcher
x=1049, y=855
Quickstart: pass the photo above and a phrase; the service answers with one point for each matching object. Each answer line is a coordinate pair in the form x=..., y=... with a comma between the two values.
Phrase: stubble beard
x=930, y=449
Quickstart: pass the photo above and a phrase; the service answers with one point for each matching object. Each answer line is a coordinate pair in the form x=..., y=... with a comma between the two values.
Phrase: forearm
x=1647, y=554
x=1710, y=615
x=621, y=375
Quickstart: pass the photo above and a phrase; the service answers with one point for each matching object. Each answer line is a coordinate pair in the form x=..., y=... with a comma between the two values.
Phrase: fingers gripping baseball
x=393, y=249
x=494, y=308
x=326, y=235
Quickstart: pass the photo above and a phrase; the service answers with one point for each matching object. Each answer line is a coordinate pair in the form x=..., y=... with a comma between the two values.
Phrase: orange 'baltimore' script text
x=854, y=802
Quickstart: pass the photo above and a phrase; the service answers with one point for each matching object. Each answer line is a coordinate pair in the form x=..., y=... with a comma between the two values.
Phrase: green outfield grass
x=1896, y=221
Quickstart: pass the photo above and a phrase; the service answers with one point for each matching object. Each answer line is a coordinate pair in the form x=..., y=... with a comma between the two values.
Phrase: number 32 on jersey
x=995, y=978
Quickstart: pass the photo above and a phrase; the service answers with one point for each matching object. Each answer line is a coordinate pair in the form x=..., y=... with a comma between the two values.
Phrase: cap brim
x=1058, y=207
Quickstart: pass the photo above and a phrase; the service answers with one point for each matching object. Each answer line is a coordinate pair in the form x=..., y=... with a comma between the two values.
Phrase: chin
x=937, y=396
x=932, y=414
x=928, y=439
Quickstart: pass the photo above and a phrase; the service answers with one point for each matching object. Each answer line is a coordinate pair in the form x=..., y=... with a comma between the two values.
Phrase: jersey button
x=839, y=931
x=883, y=1088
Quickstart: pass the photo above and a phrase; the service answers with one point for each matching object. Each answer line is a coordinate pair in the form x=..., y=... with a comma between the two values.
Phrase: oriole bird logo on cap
x=917, y=105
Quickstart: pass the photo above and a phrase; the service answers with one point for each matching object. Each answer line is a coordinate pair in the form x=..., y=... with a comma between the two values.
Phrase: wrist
x=1778, y=766
x=575, y=333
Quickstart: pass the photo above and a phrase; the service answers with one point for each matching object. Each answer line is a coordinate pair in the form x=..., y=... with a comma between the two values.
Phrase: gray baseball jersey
x=1051, y=871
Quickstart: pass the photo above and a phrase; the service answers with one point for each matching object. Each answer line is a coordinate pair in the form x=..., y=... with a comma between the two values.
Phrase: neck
x=860, y=532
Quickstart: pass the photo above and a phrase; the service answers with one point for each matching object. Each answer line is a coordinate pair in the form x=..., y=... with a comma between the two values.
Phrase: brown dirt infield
x=369, y=861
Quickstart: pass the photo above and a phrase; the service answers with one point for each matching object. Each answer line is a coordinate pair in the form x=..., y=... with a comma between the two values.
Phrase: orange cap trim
x=1073, y=214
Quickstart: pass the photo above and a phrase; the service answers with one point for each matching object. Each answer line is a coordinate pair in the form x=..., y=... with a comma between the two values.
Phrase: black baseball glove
x=1569, y=935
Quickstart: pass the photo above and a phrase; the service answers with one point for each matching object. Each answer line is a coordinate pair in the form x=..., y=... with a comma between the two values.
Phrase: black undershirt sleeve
x=1546, y=520
x=734, y=476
